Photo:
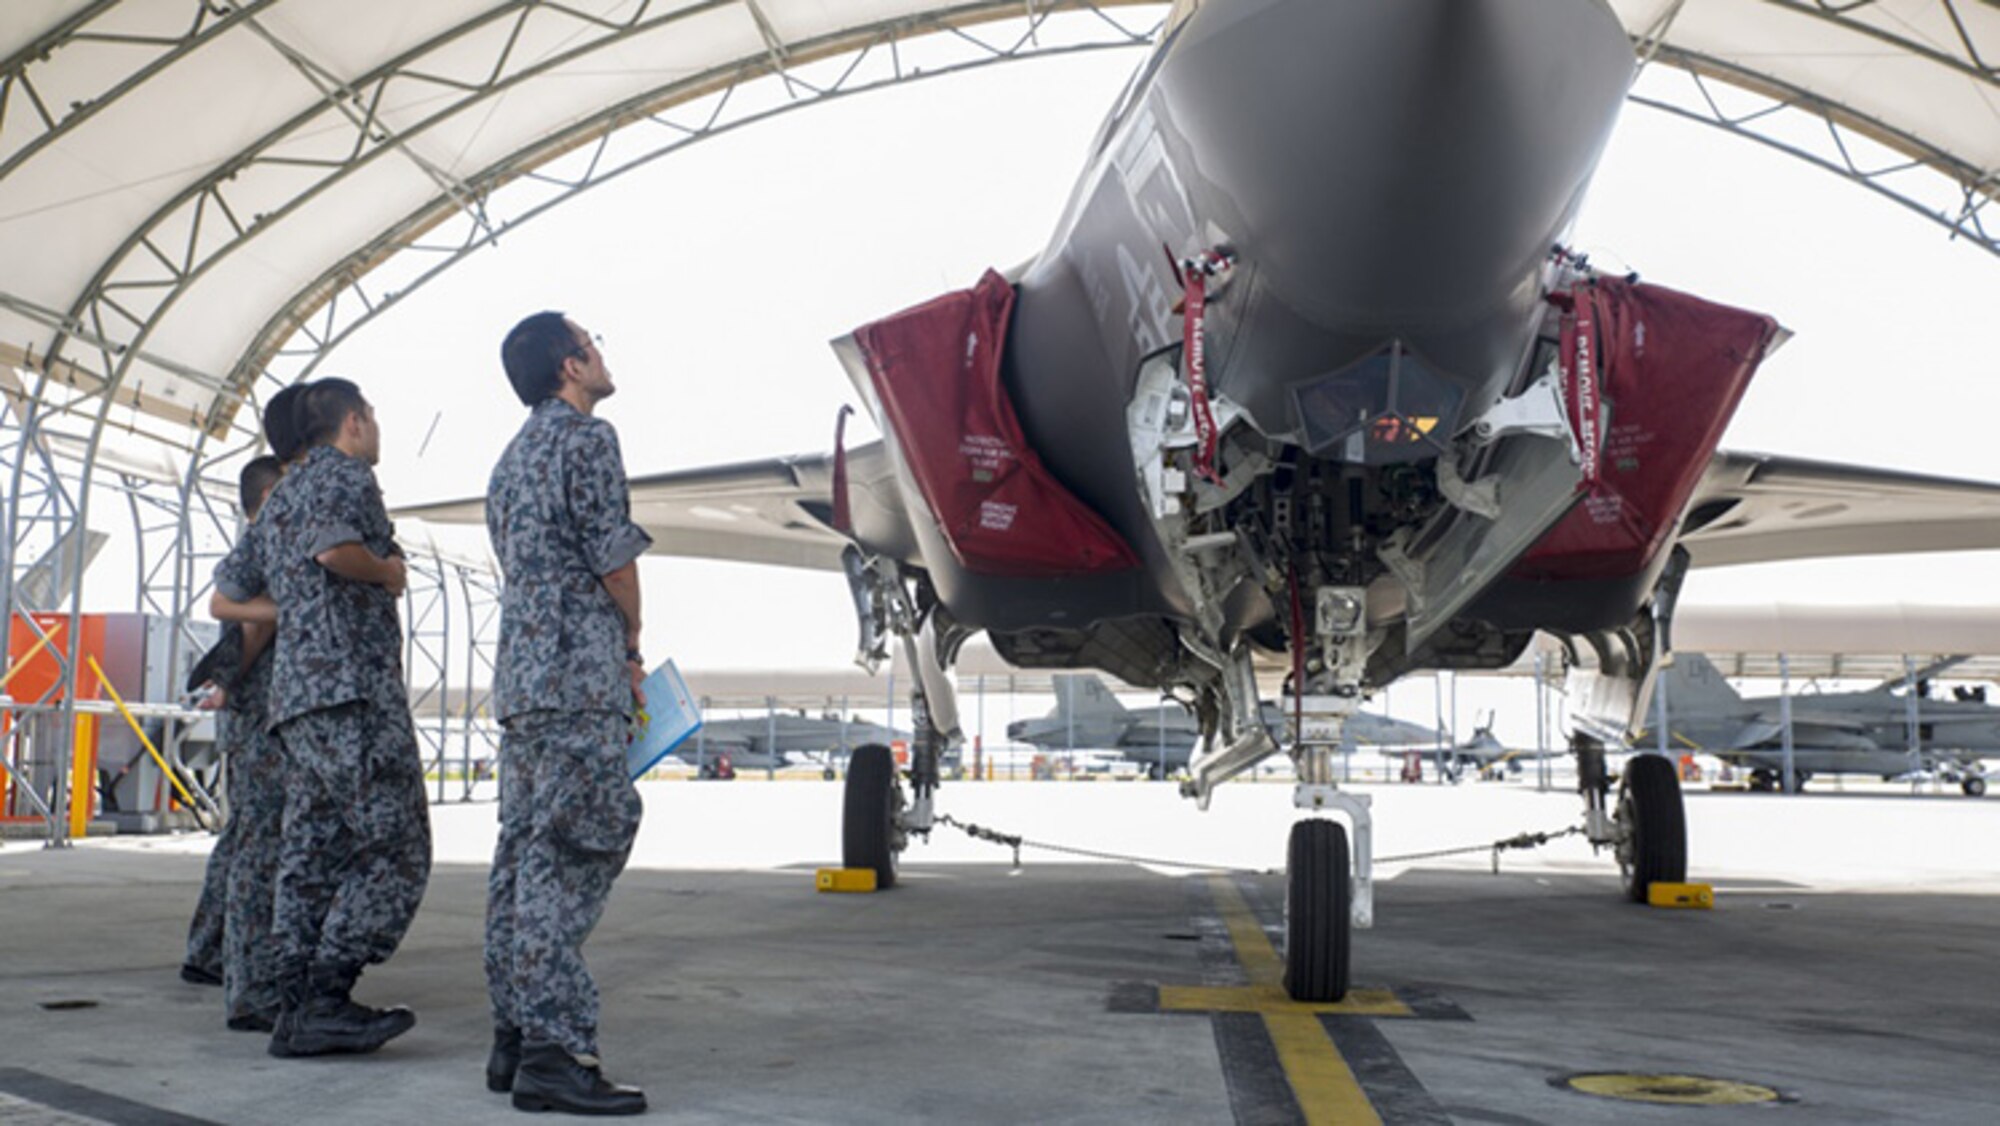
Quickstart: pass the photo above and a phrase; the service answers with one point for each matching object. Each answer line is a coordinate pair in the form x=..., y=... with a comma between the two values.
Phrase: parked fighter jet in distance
x=1304, y=375
x=781, y=739
x=1162, y=739
x=1886, y=731
x=1480, y=754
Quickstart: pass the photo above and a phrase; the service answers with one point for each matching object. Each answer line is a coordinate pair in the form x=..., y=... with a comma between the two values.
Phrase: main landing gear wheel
x=1653, y=846
x=1319, y=912
x=869, y=836
x=1973, y=787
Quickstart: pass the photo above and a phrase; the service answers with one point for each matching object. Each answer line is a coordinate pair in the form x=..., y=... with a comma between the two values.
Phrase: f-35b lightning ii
x=1304, y=376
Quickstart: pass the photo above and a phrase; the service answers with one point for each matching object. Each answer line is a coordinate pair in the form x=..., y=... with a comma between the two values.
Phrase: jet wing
x=1751, y=508
x=779, y=511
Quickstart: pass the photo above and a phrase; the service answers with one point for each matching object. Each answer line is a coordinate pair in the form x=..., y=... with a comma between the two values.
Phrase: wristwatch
x=633, y=656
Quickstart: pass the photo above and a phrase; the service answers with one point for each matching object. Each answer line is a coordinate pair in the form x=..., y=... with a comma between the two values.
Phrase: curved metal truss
x=1887, y=161
x=184, y=516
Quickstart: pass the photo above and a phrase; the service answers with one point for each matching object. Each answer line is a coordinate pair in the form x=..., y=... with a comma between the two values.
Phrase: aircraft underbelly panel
x=936, y=371
x=1669, y=371
x=1654, y=377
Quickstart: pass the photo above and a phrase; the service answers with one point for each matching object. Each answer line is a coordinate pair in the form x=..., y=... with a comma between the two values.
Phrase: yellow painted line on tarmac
x=1272, y=999
x=1322, y=1082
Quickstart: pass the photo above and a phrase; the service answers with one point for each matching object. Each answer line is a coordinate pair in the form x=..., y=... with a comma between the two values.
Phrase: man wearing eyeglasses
x=566, y=682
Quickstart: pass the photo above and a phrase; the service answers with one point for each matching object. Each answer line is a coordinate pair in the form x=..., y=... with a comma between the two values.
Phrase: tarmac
x=1845, y=974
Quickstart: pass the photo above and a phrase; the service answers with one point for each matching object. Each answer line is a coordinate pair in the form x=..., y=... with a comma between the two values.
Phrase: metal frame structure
x=102, y=376
x=1936, y=185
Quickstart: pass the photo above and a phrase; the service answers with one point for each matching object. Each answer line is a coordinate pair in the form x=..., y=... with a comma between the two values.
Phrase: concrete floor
x=1861, y=992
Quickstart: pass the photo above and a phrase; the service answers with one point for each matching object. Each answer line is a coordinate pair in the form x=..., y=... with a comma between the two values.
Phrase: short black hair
x=326, y=405
x=256, y=480
x=533, y=355
x=281, y=422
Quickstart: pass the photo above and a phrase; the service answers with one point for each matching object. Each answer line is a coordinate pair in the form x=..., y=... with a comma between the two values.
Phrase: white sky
x=718, y=275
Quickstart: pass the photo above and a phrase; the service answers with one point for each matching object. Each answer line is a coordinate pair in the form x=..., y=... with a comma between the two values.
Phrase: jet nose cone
x=1397, y=138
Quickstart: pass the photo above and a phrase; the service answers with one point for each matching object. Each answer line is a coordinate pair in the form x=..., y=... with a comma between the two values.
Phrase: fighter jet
x=1883, y=731
x=782, y=739
x=1304, y=375
x=1163, y=739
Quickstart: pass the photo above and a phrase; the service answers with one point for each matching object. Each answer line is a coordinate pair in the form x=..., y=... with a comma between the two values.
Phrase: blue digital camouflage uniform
x=559, y=518
x=230, y=934
x=204, y=944
x=256, y=818
x=356, y=855
x=205, y=930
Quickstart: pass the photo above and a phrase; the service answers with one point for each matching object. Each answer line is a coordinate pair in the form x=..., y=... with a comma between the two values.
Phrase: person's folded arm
x=355, y=562
x=257, y=637
x=258, y=609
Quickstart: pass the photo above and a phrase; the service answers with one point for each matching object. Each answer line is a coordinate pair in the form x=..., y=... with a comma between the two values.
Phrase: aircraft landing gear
x=1318, y=912
x=878, y=818
x=1974, y=787
x=1325, y=899
x=1652, y=837
x=1647, y=829
x=871, y=830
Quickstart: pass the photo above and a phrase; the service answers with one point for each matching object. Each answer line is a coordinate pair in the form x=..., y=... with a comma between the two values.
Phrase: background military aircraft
x=780, y=739
x=1889, y=730
x=1087, y=715
x=1305, y=374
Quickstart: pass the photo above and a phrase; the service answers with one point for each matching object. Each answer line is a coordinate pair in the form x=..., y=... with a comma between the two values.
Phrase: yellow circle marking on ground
x=1674, y=1090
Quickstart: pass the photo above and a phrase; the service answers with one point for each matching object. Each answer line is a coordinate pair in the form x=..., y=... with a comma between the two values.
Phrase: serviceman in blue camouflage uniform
x=356, y=855
x=239, y=681
x=236, y=896
x=565, y=684
x=228, y=936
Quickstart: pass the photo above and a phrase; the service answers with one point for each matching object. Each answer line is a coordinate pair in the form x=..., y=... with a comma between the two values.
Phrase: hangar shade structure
x=199, y=198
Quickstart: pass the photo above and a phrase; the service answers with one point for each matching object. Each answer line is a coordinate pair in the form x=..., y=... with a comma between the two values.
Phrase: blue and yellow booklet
x=669, y=718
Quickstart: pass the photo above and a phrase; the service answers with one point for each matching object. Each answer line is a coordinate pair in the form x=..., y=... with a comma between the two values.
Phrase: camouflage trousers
x=568, y=815
x=357, y=837
x=256, y=818
x=204, y=941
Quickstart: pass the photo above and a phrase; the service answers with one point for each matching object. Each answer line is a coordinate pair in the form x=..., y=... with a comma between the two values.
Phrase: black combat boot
x=294, y=989
x=330, y=1022
x=504, y=1060
x=552, y=1079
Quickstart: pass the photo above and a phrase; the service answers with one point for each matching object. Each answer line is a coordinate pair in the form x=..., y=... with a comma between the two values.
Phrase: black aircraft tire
x=1973, y=787
x=1650, y=802
x=865, y=826
x=1319, y=912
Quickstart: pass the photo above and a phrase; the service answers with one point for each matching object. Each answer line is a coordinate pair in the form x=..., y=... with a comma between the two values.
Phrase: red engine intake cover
x=1653, y=378
x=936, y=371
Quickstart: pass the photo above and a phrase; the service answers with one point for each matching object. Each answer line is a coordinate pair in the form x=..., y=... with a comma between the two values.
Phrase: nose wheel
x=1652, y=844
x=1319, y=912
x=871, y=831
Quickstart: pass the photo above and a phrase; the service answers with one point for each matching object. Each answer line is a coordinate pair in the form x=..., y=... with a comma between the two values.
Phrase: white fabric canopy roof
x=184, y=183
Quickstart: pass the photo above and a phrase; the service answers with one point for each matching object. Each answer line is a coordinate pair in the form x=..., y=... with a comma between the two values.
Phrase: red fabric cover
x=936, y=370
x=1669, y=370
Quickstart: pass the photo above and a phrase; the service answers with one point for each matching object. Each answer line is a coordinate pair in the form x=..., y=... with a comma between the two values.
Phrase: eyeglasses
x=582, y=351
